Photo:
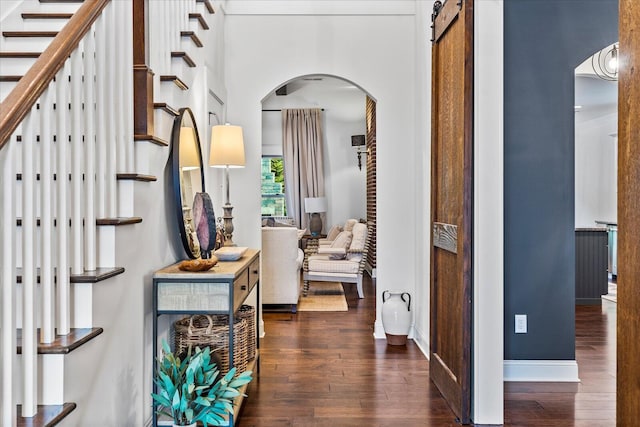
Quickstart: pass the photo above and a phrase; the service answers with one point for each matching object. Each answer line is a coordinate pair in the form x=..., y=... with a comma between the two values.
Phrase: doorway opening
x=596, y=171
x=348, y=128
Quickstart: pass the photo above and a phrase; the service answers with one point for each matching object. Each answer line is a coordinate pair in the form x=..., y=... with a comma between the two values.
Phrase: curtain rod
x=322, y=109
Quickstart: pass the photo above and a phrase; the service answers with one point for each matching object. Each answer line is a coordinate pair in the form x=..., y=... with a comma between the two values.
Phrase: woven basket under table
x=248, y=312
x=213, y=331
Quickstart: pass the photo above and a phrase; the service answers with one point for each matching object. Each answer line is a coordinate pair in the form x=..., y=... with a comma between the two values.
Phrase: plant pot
x=187, y=425
x=396, y=316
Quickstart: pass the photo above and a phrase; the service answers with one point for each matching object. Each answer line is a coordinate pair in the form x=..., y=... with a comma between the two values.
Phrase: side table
x=220, y=290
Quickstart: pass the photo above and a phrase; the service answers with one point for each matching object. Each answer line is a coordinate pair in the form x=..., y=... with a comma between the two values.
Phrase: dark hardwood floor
x=325, y=369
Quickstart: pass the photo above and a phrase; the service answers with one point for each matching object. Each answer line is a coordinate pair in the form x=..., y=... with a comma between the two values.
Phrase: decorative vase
x=396, y=316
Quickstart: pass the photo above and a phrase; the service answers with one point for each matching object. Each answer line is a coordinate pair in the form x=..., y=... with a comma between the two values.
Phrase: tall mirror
x=188, y=176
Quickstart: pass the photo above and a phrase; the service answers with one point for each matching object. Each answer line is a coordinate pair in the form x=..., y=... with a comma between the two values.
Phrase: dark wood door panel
x=451, y=203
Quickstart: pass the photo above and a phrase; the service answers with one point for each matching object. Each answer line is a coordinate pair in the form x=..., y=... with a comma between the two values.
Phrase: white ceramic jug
x=396, y=316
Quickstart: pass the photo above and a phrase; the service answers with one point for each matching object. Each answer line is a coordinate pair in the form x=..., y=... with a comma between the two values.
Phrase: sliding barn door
x=451, y=202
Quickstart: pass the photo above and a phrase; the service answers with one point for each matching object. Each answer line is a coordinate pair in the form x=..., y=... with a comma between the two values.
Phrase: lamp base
x=315, y=224
x=228, y=225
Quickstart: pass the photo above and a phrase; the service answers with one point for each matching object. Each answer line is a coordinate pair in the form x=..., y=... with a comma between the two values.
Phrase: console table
x=220, y=290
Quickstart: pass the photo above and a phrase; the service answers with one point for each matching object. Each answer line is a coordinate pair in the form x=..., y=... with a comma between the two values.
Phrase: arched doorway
x=349, y=151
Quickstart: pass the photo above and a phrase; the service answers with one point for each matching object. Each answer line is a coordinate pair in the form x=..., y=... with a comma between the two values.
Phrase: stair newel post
x=89, y=113
x=29, y=344
x=7, y=287
x=47, y=328
x=77, y=266
x=62, y=145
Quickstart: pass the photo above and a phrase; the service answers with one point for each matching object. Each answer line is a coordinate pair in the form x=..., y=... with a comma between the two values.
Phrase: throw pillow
x=359, y=237
x=342, y=241
x=333, y=232
x=348, y=226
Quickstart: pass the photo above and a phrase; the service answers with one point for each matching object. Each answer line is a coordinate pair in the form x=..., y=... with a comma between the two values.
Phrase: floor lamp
x=227, y=151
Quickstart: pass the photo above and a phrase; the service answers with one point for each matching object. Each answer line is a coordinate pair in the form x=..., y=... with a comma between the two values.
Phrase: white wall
x=345, y=184
x=596, y=170
x=375, y=52
x=487, y=398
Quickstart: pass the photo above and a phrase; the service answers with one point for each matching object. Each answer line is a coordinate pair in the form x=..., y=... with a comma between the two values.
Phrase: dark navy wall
x=544, y=40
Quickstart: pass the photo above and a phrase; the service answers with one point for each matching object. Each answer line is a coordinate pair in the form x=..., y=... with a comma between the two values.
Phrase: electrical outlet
x=521, y=323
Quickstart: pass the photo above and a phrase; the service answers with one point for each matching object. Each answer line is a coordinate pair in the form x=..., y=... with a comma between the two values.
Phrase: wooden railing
x=68, y=130
x=31, y=86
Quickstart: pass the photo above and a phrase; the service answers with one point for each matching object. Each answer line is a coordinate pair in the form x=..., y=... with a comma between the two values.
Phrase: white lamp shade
x=315, y=204
x=188, y=149
x=227, y=146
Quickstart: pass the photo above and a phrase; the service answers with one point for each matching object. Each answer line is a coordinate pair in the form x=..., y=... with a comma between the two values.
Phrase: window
x=273, y=202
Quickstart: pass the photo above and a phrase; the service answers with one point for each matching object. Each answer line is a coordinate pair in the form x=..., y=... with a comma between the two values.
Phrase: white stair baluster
x=47, y=328
x=76, y=162
x=29, y=308
x=101, y=111
x=62, y=183
x=89, y=158
x=111, y=85
x=8, y=357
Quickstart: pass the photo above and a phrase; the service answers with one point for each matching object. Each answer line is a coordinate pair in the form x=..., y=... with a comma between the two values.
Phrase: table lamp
x=313, y=206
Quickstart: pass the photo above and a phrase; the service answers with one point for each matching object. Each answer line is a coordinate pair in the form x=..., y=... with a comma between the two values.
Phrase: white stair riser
x=27, y=44
x=125, y=198
x=105, y=245
x=15, y=66
x=81, y=303
x=51, y=370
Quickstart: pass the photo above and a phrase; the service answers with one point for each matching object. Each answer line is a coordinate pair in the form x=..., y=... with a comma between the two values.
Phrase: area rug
x=323, y=296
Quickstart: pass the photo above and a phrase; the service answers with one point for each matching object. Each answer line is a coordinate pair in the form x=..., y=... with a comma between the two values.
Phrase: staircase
x=77, y=180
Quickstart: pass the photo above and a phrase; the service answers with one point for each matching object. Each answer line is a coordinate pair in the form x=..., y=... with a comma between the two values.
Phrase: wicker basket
x=248, y=312
x=213, y=331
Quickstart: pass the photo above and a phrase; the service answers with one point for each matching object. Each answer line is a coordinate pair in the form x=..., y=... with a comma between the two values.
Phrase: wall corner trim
x=378, y=330
x=541, y=370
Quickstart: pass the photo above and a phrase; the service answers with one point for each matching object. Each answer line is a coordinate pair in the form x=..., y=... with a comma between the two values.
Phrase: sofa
x=281, y=263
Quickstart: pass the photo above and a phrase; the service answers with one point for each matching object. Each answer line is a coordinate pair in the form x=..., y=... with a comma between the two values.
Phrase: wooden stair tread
x=47, y=416
x=42, y=15
x=136, y=177
x=119, y=220
x=167, y=108
x=10, y=78
x=185, y=57
x=95, y=276
x=63, y=344
x=20, y=54
x=29, y=33
x=193, y=36
x=200, y=19
x=208, y=5
x=151, y=138
x=176, y=80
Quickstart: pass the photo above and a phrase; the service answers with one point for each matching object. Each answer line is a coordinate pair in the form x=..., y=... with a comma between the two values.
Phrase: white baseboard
x=541, y=370
x=378, y=331
x=421, y=341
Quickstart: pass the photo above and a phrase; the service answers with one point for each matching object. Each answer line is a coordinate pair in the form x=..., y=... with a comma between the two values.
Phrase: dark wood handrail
x=27, y=91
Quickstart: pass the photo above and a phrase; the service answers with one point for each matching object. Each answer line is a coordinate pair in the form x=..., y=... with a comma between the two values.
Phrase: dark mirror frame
x=185, y=115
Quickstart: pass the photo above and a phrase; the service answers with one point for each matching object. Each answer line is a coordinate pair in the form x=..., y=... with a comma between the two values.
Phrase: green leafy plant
x=189, y=390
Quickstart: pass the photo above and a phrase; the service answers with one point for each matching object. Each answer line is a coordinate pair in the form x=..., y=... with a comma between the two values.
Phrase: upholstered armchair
x=343, y=260
x=281, y=263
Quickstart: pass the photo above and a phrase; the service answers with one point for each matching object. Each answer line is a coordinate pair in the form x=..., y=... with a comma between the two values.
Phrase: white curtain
x=302, y=142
